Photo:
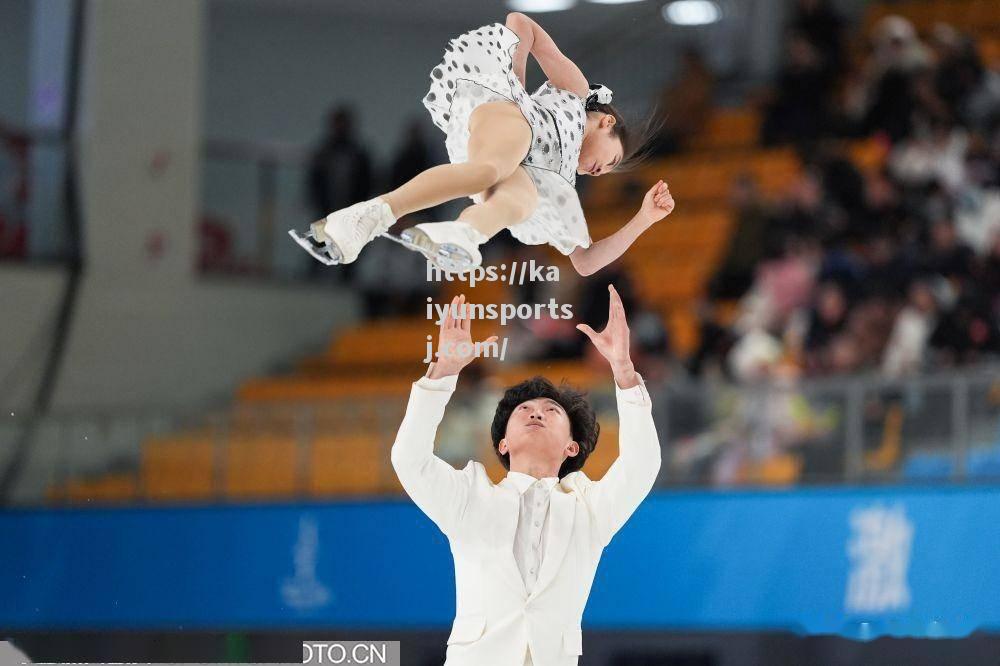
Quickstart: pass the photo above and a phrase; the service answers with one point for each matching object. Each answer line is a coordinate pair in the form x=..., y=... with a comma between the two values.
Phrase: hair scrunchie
x=599, y=94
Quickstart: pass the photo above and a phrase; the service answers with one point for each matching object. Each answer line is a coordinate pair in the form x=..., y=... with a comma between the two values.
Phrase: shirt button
x=537, y=523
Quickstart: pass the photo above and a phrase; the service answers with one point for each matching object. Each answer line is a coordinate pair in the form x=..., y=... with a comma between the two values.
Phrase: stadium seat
x=260, y=466
x=350, y=465
x=178, y=467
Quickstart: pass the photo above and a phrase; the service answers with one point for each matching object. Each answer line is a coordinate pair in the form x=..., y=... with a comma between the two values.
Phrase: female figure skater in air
x=515, y=155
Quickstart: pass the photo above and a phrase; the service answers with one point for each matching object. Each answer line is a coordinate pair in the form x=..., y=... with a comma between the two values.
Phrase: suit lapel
x=510, y=502
x=562, y=512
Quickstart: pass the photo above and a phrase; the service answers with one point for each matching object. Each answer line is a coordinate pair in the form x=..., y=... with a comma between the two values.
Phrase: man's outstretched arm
x=437, y=488
x=630, y=478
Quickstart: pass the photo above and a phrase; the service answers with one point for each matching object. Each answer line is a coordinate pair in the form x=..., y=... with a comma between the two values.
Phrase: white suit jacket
x=496, y=620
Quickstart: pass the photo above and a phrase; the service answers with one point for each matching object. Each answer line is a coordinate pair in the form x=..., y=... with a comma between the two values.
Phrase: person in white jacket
x=526, y=549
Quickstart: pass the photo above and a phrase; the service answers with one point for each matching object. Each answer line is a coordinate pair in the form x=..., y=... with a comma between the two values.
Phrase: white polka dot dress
x=477, y=68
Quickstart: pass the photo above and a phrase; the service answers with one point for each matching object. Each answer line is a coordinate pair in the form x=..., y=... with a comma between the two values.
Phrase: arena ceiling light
x=691, y=12
x=613, y=2
x=537, y=6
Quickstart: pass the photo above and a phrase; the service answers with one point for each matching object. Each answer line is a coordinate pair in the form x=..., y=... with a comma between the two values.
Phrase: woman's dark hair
x=584, y=428
x=636, y=145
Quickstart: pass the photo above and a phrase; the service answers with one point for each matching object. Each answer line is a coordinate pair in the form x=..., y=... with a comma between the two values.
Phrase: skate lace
x=363, y=222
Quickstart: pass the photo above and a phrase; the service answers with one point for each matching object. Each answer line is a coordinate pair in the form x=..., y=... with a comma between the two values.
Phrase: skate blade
x=449, y=258
x=306, y=243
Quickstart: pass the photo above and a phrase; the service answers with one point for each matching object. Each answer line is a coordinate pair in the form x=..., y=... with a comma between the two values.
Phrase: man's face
x=538, y=430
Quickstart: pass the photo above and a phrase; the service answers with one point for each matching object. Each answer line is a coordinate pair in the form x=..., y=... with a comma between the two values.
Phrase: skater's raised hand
x=613, y=341
x=455, y=347
x=657, y=203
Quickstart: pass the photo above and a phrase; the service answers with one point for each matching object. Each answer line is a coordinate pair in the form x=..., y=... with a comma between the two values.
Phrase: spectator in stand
x=969, y=91
x=413, y=156
x=884, y=210
x=906, y=350
x=782, y=286
x=715, y=342
x=801, y=210
x=340, y=173
x=843, y=204
x=592, y=301
x=988, y=276
x=747, y=243
x=968, y=332
x=869, y=324
x=935, y=154
x=947, y=256
x=887, y=270
x=798, y=111
x=819, y=22
x=652, y=343
x=884, y=99
x=842, y=356
x=404, y=290
x=827, y=318
x=685, y=104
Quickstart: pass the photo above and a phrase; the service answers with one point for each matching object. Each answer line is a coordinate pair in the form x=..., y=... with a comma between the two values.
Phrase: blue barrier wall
x=855, y=562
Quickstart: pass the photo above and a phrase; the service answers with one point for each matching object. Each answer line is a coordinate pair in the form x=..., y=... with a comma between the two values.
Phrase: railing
x=34, y=224
x=940, y=428
x=252, y=193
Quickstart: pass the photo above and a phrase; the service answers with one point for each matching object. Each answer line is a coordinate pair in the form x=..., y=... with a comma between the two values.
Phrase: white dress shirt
x=532, y=523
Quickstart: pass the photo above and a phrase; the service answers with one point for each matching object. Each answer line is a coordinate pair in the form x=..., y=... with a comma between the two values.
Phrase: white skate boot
x=339, y=237
x=452, y=246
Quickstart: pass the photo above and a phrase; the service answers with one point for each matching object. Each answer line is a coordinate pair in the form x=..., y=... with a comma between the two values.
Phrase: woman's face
x=601, y=150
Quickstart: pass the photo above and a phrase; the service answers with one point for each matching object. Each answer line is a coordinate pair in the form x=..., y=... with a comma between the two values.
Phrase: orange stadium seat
x=110, y=488
x=978, y=17
x=178, y=467
x=728, y=128
x=350, y=465
x=260, y=466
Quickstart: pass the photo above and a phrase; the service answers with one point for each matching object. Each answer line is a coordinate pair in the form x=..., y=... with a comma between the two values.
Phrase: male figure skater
x=526, y=549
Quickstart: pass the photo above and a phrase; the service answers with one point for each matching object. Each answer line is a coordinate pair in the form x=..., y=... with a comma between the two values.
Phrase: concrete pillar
x=140, y=140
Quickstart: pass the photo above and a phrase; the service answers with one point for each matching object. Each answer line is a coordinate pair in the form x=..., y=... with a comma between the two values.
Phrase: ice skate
x=451, y=246
x=339, y=237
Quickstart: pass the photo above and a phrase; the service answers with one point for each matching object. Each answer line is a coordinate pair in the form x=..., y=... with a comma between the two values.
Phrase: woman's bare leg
x=507, y=203
x=499, y=137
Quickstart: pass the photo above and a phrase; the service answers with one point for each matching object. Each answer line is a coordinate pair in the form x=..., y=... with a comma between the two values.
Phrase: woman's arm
x=657, y=204
x=560, y=70
x=521, y=25
x=601, y=253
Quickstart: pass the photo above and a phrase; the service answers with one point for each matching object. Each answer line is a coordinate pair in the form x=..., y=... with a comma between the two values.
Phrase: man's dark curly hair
x=584, y=428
